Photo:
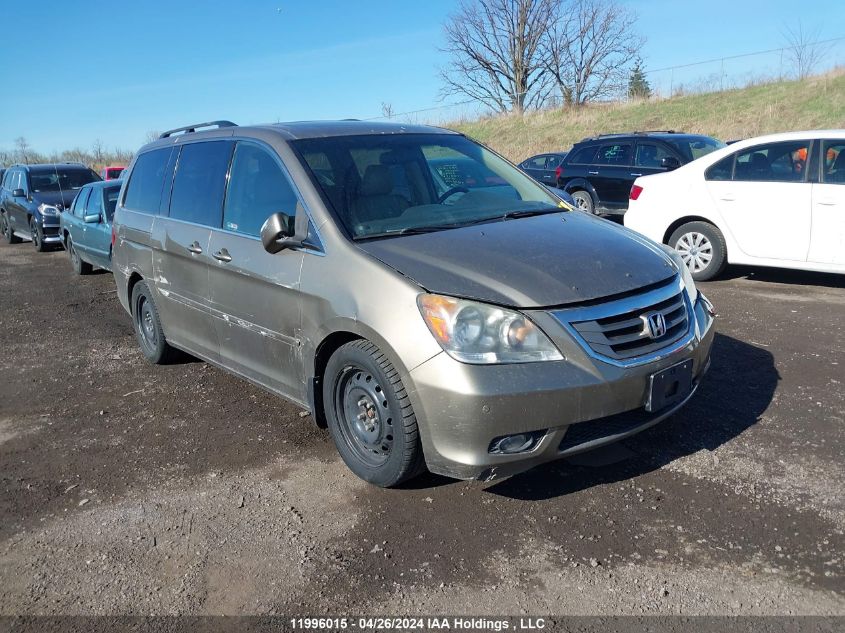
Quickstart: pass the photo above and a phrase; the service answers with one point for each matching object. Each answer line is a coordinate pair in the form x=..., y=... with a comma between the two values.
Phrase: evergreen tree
x=638, y=87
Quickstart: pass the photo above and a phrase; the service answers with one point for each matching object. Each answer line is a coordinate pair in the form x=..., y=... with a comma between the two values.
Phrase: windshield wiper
x=408, y=230
x=527, y=213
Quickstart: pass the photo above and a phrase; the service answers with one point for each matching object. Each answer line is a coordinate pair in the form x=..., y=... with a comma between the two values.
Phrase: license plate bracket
x=669, y=386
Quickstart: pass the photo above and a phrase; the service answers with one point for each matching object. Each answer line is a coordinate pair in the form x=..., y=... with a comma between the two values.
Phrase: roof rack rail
x=193, y=128
x=655, y=132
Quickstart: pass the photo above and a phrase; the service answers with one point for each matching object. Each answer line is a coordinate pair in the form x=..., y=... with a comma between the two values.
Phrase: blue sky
x=79, y=71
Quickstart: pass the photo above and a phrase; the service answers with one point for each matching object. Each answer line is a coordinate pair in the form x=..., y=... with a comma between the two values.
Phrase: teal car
x=86, y=226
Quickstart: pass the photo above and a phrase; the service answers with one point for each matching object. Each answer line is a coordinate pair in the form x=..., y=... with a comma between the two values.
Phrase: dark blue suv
x=33, y=196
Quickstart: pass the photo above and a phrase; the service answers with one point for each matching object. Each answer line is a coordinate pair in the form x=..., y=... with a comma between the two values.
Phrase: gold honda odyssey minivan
x=427, y=301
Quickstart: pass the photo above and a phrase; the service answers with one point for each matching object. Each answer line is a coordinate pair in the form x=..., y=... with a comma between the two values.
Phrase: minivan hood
x=544, y=261
x=64, y=198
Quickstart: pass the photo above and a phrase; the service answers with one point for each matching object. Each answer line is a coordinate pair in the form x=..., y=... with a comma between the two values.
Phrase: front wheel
x=370, y=416
x=702, y=247
x=37, y=236
x=79, y=267
x=6, y=227
x=584, y=201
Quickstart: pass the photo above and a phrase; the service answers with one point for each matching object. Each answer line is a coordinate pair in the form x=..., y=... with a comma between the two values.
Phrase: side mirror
x=669, y=163
x=279, y=232
x=18, y=193
x=91, y=219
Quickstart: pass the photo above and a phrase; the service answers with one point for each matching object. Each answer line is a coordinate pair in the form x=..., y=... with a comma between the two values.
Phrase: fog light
x=519, y=443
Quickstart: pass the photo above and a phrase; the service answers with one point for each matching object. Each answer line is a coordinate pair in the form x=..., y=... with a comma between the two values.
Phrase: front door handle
x=593, y=173
x=636, y=174
x=727, y=198
x=827, y=202
x=195, y=248
x=222, y=255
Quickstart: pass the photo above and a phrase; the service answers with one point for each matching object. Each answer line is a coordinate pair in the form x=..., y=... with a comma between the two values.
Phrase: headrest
x=377, y=181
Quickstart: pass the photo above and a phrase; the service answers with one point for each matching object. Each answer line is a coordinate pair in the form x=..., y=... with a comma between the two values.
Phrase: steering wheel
x=451, y=192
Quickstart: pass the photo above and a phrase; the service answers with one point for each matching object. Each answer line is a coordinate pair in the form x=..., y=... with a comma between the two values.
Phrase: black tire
x=80, y=267
x=584, y=201
x=703, y=247
x=361, y=381
x=148, y=329
x=37, y=236
x=6, y=226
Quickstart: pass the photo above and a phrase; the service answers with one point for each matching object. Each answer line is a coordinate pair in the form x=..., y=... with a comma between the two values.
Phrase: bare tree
x=97, y=151
x=22, y=149
x=496, y=56
x=589, y=48
x=803, y=49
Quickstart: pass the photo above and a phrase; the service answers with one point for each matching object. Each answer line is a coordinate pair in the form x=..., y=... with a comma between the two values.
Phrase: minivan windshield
x=384, y=185
x=46, y=181
x=692, y=147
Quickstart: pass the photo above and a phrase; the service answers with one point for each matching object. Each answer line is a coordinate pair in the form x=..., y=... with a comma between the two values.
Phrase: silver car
x=424, y=299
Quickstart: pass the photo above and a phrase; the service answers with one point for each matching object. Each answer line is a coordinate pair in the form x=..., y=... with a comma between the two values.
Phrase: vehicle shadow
x=737, y=390
x=782, y=276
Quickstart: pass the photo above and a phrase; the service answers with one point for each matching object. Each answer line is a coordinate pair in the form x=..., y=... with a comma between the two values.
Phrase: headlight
x=482, y=334
x=48, y=209
x=686, y=275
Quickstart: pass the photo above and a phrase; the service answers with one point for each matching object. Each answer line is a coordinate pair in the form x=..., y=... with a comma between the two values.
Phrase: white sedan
x=775, y=200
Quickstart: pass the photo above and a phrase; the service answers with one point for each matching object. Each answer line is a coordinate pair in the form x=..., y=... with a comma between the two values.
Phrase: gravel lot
x=133, y=489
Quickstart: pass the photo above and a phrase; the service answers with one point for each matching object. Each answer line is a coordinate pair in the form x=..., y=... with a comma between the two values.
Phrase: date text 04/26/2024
x=418, y=624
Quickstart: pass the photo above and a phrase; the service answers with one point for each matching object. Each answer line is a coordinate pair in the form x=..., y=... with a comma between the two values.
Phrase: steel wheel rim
x=695, y=250
x=145, y=323
x=362, y=411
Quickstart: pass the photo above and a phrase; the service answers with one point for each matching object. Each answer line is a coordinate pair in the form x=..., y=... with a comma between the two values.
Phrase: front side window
x=95, y=203
x=258, y=188
x=60, y=179
x=833, y=162
x=695, y=147
x=773, y=162
x=584, y=156
x=143, y=191
x=200, y=181
x=650, y=155
x=615, y=154
x=380, y=185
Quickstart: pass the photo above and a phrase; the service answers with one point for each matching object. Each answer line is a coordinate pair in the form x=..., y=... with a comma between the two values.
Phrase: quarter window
x=774, y=162
x=200, y=181
x=833, y=157
x=143, y=191
x=258, y=188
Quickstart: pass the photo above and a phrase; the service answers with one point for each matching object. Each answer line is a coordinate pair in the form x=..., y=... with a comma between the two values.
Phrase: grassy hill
x=813, y=103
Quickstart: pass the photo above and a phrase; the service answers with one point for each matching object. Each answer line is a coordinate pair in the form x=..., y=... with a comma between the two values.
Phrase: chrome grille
x=618, y=330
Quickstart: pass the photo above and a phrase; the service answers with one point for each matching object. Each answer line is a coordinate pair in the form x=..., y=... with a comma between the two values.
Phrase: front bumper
x=50, y=230
x=462, y=408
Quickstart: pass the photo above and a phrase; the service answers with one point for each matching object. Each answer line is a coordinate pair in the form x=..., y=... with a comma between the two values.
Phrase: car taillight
x=636, y=190
x=558, y=171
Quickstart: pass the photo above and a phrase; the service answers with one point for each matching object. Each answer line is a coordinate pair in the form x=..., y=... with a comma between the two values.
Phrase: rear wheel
x=6, y=227
x=147, y=324
x=702, y=247
x=79, y=267
x=370, y=416
x=37, y=236
x=584, y=201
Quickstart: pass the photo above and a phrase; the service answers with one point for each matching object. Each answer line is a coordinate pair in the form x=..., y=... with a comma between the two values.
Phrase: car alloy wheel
x=696, y=251
x=583, y=201
x=35, y=234
x=365, y=422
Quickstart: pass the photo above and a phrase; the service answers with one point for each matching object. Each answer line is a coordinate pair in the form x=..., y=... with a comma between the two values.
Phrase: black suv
x=598, y=172
x=33, y=196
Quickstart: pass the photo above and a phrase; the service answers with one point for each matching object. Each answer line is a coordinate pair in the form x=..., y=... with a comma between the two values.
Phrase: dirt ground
x=127, y=488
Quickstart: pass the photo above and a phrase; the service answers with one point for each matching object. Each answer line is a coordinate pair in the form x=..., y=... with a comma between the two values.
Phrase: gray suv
x=476, y=327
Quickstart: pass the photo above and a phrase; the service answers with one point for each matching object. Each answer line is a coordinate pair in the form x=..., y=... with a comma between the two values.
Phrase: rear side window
x=584, y=156
x=774, y=162
x=615, y=154
x=200, y=181
x=538, y=162
x=722, y=170
x=258, y=188
x=833, y=162
x=143, y=192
